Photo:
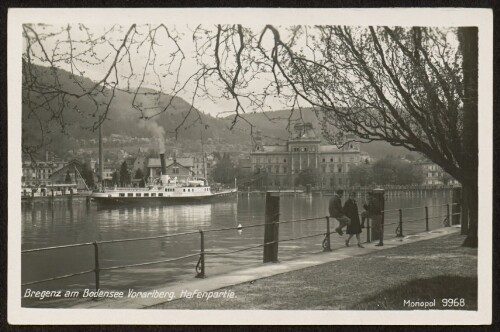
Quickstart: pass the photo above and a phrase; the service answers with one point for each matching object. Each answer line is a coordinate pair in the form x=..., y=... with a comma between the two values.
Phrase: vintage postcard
x=250, y=166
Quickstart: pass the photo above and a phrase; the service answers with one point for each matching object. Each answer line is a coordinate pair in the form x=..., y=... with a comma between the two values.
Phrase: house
x=108, y=171
x=139, y=163
x=182, y=168
x=39, y=173
x=73, y=169
x=434, y=174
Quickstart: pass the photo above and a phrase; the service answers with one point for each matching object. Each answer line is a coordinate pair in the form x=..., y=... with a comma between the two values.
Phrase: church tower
x=257, y=142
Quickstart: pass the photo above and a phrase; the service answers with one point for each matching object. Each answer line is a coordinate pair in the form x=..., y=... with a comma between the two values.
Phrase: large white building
x=39, y=173
x=282, y=164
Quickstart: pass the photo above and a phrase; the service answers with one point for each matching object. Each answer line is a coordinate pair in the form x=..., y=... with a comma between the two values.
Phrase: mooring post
x=455, y=209
x=400, y=233
x=200, y=267
x=377, y=230
x=426, y=219
x=271, y=228
x=96, y=267
x=326, y=242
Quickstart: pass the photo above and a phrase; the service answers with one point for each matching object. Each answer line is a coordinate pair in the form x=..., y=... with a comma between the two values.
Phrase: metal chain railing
x=200, y=266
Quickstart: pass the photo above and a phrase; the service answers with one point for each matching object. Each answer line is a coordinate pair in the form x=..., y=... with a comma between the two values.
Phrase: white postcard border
x=483, y=18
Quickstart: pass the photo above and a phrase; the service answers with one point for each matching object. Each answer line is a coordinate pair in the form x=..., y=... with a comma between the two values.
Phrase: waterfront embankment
x=416, y=268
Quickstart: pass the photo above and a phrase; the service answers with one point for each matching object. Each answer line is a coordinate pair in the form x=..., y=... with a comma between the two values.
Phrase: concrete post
x=377, y=231
x=271, y=228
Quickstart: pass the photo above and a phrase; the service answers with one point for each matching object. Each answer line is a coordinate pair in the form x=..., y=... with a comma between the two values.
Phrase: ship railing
x=125, y=189
x=270, y=245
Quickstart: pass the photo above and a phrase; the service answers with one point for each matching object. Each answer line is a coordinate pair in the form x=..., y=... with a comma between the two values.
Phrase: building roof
x=274, y=148
x=72, y=164
x=186, y=162
x=43, y=164
x=178, y=165
x=305, y=131
x=329, y=148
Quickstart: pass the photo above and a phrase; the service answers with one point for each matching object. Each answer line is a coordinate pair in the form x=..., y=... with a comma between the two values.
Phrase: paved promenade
x=285, y=280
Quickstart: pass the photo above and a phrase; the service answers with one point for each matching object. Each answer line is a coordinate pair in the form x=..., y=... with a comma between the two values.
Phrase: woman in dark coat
x=351, y=211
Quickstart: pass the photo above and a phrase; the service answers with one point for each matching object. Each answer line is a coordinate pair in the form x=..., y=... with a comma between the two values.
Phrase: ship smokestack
x=163, y=165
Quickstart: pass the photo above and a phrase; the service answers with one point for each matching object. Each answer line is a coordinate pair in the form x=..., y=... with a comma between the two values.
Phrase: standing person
x=351, y=211
x=335, y=210
x=374, y=209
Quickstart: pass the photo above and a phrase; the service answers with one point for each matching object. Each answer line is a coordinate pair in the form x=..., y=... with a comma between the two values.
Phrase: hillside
x=275, y=127
x=124, y=120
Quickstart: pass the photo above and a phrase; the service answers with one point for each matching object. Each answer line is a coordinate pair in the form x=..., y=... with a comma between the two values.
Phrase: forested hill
x=276, y=127
x=124, y=120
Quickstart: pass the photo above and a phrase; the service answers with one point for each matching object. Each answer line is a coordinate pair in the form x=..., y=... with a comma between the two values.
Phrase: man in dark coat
x=336, y=211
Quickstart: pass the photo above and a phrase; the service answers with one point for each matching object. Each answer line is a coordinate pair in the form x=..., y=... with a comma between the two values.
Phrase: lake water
x=65, y=222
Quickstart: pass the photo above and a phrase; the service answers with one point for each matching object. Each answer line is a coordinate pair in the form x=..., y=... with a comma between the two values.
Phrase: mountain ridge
x=274, y=126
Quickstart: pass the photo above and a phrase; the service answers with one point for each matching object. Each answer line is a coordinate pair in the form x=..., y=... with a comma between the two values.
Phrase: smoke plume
x=157, y=132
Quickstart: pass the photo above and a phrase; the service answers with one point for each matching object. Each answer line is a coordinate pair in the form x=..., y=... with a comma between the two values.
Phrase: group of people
x=348, y=215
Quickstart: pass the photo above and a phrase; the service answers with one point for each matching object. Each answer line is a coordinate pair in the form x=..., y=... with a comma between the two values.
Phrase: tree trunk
x=472, y=202
x=465, y=213
x=468, y=40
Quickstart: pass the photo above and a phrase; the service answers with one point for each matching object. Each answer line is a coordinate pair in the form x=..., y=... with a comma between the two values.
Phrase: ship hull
x=169, y=200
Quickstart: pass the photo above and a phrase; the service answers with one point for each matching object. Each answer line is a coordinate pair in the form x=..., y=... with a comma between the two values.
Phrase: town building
x=281, y=165
x=39, y=173
x=108, y=170
x=139, y=163
x=434, y=174
x=71, y=173
x=199, y=168
x=181, y=168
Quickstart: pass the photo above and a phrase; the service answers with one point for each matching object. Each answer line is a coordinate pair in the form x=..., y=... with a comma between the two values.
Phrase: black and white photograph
x=250, y=166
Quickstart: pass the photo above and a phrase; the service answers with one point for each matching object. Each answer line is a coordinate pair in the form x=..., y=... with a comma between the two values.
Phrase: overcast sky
x=56, y=43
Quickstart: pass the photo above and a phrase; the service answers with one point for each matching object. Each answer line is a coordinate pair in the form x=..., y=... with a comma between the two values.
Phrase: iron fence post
x=400, y=232
x=96, y=267
x=326, y=241
x=200, y=267
x=368, y=234
x=426, y=219
x=448, y=223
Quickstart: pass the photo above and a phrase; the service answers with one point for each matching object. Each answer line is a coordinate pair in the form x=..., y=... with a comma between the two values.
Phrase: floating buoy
x=240, y=227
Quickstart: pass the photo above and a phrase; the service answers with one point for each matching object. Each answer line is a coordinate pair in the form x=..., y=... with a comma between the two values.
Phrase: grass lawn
x=441, y=292
x=421, y=271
